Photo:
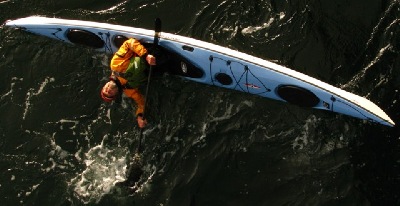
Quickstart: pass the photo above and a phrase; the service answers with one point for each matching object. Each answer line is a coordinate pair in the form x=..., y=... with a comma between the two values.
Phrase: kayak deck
x=211, y=64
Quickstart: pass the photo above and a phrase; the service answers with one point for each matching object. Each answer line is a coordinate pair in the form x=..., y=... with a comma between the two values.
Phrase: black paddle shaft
x=157, y=32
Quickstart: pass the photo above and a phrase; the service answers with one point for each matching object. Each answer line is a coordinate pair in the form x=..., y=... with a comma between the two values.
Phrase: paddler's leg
x=138, y=97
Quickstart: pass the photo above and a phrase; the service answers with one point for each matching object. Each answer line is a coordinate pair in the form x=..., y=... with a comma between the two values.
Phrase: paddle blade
x=157, y=24
x=157, y=30
x=134, y=171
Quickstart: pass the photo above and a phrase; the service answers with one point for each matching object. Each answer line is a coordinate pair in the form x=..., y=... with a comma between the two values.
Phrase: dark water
x=60, y=145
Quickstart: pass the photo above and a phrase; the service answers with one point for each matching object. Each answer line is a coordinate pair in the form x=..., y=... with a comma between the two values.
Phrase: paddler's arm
x=136, y=47
x=141, y=51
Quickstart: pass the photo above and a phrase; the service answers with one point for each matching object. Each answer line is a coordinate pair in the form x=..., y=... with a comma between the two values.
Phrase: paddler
x=128, y=67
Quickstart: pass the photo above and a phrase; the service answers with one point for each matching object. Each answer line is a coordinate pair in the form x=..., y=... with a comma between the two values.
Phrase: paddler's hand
x=151, y=59
x=141, y=122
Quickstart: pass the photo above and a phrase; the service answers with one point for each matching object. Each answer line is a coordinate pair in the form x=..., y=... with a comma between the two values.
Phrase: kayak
x=211, y=64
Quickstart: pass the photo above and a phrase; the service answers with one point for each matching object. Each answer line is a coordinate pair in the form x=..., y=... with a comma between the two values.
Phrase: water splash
x=104, y=168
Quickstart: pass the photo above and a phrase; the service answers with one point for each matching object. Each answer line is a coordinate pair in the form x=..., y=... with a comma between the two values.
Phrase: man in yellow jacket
x=128, y=67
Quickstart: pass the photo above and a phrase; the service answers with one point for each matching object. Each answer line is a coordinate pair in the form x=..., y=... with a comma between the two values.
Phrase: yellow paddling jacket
x=124, y=59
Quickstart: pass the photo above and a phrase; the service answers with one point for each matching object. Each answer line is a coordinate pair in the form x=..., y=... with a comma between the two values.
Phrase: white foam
x=113, y=8
x=14, y=79
x=252, y=29
x=302, y=140
x=3, y=2
x=32, y=93
x=104, y=168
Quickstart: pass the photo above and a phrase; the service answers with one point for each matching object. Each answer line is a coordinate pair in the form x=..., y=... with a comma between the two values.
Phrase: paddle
x=135, y=170
x=157, y=31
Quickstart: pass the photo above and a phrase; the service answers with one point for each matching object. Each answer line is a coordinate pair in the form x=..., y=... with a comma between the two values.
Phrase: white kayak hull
x=215, y=65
